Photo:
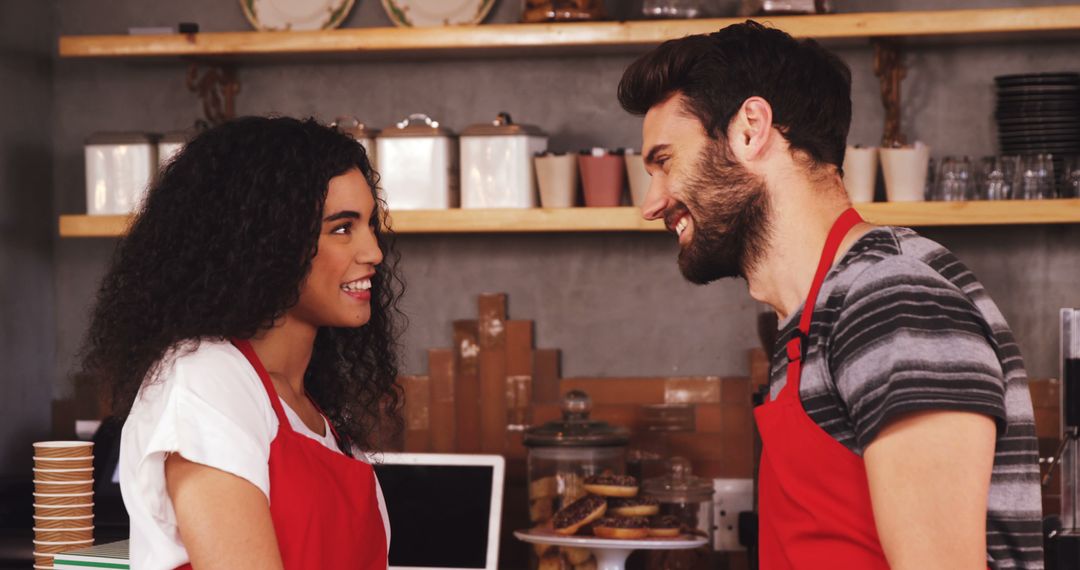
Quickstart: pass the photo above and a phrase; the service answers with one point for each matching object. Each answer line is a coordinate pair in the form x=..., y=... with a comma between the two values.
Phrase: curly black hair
x=220, y=249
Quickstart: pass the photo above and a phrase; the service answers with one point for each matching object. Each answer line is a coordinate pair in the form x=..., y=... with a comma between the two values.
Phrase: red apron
x=324, y=504
x=813, y=496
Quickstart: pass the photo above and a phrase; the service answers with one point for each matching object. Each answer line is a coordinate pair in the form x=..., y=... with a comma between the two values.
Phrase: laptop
x=444, y=509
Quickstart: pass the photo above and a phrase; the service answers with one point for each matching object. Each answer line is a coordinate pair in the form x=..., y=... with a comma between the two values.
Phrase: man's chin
x=704, y=271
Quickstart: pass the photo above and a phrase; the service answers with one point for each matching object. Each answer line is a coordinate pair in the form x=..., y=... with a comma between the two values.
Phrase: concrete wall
x=27, y=319
x=614, y=303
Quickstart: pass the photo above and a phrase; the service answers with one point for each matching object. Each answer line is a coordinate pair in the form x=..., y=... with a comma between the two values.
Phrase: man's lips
x=677, y=219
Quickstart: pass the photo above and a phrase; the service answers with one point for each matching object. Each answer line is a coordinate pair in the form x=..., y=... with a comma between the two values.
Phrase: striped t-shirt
x=900, y=325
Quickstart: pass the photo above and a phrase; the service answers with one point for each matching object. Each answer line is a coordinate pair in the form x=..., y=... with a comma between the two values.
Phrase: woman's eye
x=343, y=229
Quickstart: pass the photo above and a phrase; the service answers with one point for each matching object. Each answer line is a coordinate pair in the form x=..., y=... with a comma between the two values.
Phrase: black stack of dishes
x=1039, y=113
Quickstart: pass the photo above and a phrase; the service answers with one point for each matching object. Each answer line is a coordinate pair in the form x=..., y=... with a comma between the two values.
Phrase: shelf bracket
x=890, y=70
x=217, y=87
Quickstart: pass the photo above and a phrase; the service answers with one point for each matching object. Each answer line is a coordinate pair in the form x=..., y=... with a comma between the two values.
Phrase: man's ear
x=750, y=132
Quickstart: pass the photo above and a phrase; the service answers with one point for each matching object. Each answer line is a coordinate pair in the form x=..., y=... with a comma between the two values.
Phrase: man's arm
x=929, y=475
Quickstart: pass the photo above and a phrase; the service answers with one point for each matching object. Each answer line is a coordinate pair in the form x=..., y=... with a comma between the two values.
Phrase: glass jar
x=681, y=9
x=689, y=498
x=562, y=10
x=649, y=455
x=561, y=454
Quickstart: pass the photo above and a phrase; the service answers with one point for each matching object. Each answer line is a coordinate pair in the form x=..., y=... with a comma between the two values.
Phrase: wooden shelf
x=629, y=219
x=569, y=37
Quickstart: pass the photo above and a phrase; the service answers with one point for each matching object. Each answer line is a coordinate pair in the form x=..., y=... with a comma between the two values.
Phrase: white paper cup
x=638, y=177
x=860, y=173
x=905, y=172
x=557, y=177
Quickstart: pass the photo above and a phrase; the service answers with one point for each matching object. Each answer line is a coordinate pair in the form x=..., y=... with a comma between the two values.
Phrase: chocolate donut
x=608, y=485
x=633, y=507
x=578, y=514
x=665, y=525
x=622, y=527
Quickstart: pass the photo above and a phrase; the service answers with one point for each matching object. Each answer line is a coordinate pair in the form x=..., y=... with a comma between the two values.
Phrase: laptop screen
x=444, y=509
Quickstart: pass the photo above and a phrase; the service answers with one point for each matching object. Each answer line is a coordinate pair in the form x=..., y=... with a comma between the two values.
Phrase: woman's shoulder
x=206, y=373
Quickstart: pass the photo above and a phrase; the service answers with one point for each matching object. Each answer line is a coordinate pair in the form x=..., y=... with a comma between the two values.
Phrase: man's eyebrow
x=651, y=157
x=344, y=214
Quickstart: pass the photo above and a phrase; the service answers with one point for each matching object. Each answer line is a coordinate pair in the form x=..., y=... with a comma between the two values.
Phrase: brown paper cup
x=69, y=535
x=63, y=500
x=43, y=560
x=64, y=463
x=63, y=488
x=64, y=449
x=65, y=475
x=602, y=179
x=55, y=547
x=83, y=510
x=63, y=523
x=43, y=567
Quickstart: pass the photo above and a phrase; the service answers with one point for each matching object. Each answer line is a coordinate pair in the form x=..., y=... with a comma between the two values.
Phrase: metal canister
x=418, y=164
x=496, y=164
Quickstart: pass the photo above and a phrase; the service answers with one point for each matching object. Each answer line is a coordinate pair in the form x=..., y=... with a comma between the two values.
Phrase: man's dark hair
x=808, y=87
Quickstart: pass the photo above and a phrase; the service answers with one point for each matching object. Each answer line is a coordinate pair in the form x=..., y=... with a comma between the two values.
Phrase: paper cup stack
x=63, y=498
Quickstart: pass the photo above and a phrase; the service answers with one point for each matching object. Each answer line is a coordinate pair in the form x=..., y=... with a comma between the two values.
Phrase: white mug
x=860, y=173
x=905, y=172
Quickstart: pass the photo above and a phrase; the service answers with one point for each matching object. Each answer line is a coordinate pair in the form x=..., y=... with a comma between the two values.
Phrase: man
x=899, y=432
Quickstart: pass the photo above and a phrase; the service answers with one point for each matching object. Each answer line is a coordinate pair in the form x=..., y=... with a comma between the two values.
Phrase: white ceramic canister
x=497, y=164
x=170, y=144
x=364, y=134
x=119, y=167
x=418, y=165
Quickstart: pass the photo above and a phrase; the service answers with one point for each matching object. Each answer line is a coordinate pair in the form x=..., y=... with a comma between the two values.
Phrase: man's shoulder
x=894, y=259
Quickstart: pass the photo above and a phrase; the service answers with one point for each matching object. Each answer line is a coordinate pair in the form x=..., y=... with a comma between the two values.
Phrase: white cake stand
x=610, y=553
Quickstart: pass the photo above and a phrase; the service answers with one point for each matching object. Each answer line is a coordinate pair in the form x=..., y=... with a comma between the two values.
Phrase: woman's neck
x=285, y=351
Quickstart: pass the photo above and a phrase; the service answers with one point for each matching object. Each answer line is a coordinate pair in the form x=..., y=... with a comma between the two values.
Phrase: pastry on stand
x=610, y=553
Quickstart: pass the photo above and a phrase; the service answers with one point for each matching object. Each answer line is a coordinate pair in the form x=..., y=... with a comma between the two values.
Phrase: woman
x=246, y=328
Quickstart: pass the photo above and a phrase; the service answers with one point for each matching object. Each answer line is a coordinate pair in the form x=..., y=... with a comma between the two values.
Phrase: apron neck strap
x=840, y=228
x=248, y=351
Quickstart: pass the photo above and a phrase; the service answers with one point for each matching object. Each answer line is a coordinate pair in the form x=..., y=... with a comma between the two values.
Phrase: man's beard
x=731, y=215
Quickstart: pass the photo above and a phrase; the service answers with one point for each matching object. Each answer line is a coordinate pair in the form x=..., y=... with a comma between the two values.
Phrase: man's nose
x=657, y=200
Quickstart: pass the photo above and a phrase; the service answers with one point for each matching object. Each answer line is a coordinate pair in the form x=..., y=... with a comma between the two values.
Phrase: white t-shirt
x=210, y=406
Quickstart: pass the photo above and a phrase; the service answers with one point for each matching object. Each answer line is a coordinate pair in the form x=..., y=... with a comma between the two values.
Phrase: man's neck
x=803, y=212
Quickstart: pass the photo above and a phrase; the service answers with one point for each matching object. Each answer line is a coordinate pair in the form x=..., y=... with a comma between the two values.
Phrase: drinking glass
x=998, y=181
x=1070, y=180
x=1034, y=178
x=955, y=179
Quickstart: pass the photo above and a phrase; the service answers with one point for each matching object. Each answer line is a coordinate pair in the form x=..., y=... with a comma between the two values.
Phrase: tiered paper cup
x=63, y=498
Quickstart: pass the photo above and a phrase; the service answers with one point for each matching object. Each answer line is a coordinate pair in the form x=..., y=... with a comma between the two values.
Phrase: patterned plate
x=421, y=13
x=295, y=15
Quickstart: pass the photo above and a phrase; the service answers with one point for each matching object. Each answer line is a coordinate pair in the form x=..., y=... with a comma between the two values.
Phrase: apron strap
x=248, y=351
x=840, y=228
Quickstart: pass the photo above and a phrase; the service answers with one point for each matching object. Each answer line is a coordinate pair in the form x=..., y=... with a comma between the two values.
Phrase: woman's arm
x=224, y=520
